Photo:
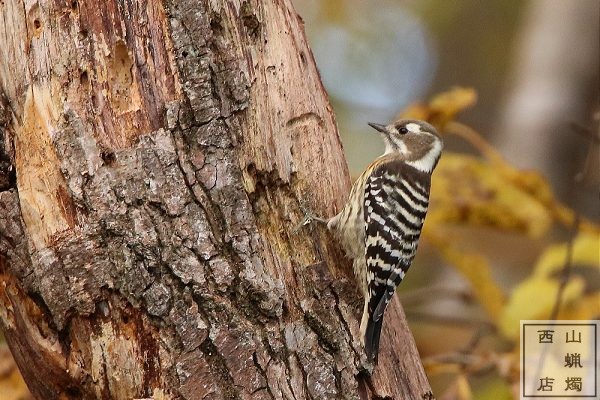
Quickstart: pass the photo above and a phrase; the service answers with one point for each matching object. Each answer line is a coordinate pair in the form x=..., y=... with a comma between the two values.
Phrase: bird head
x=417, y=142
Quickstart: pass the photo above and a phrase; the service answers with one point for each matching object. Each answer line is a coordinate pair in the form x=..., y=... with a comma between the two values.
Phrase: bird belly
x=348, y=228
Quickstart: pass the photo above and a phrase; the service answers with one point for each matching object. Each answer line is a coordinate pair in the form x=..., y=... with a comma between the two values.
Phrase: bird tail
x=372, y=333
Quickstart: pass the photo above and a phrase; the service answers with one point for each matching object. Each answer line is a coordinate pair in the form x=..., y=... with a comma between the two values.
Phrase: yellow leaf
x=448, y=104
x=434, y=368
x=586, y=253
x=443, y=107
x=529, y=182
x=588, y=307
x=467, y=190
x=415, y=111
x=463, y=388
x=534, y=298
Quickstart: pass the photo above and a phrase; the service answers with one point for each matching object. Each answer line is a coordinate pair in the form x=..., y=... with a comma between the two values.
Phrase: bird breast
x=348, y=228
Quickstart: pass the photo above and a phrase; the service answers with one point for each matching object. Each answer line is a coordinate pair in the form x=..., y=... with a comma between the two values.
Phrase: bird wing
x=396, y=200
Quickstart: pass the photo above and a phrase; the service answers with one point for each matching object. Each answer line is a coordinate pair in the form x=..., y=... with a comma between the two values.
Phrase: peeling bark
x=162, y=151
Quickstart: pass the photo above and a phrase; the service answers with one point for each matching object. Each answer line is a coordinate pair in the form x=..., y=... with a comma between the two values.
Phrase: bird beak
x=379, y=127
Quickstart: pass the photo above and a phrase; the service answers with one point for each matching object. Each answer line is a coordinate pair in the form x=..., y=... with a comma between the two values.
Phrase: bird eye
x=403, y=130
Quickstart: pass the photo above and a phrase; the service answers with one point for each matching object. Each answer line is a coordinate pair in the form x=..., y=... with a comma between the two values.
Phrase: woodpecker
x=380, y=225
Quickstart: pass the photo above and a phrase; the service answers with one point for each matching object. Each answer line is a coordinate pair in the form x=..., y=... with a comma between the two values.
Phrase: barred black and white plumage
x=380, y=225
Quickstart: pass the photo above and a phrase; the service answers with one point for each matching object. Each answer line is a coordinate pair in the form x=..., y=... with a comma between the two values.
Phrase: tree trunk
x=162, y=151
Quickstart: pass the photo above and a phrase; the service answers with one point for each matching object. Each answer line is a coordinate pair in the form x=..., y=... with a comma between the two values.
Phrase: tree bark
x=162, y=151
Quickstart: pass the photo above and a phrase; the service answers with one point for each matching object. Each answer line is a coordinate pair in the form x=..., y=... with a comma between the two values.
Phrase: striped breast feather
x=395, y=199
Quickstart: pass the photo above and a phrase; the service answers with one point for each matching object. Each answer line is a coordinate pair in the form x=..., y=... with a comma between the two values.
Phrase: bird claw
x=309, y=218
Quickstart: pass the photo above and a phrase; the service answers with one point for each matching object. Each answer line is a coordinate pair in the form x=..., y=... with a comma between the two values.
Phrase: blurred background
x=511, y=218
x=534, y=65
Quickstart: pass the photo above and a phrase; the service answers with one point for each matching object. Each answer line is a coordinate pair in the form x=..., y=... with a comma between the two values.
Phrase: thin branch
x=447, y=320
x=472, y=137
x=586, y=132
x=465, y=363
x=481, y=332
x=456, y=358
x=429, y=293
x=578, y=178
x=565, y=273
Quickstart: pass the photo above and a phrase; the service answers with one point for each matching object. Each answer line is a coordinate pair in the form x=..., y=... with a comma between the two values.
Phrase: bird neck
x=427, y=159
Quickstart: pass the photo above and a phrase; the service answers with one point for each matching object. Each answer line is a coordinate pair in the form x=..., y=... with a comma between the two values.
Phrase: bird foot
x=309, y=218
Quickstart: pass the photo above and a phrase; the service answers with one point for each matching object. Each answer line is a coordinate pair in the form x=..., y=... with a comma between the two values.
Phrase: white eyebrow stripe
x=414, y=128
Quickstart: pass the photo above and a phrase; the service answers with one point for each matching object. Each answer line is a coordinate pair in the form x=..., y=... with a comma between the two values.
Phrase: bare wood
x=146, y=244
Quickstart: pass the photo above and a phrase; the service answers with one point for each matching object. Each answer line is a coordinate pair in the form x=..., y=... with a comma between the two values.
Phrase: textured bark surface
x=153, y=158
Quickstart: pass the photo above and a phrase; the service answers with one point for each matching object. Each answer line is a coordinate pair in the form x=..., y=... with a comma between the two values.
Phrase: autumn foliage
x=484, y=191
